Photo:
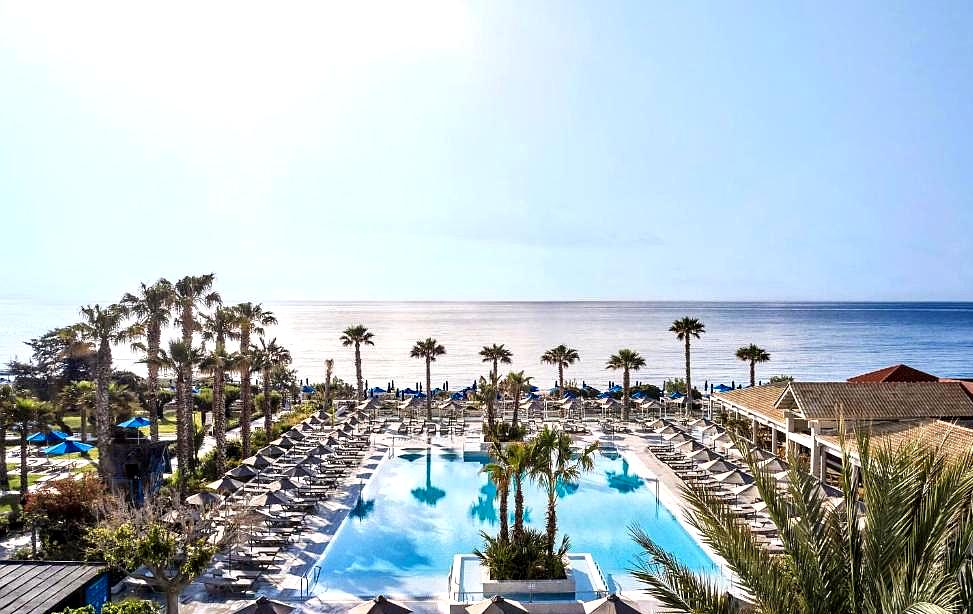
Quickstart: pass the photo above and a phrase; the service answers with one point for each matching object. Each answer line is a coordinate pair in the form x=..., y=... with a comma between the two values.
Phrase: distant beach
x=811, y=341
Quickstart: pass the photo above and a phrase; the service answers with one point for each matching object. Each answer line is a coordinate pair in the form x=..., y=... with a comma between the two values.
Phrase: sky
x=497, y=150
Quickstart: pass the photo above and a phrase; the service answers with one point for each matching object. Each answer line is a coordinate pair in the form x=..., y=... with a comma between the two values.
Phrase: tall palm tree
x=179, y=360
x=496, y=354
x=897, y=541
x=105, y=328
x=427, y=350
x=486, y=393
x=251, y=320
x=357, y=336
x=562, y=357
x=556, y=465
x=220, y=327
x=521, y=457
x=28, y=411
x=500, y=474
x=266, y=358
x=79, y=397
x=686, y=329
x=8, y=401
x=752, y=354
x=192, y=293
x=516, y=383
x=151, y=308
x=626, y=360
x=328, y=376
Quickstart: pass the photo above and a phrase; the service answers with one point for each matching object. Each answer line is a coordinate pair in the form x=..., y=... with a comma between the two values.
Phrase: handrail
x=308, y=583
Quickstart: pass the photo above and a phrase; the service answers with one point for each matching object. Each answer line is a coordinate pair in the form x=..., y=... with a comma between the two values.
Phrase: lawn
x=167, y=426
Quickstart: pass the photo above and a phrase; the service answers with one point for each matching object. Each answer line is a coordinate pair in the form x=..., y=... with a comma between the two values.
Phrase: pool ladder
x=307, y=583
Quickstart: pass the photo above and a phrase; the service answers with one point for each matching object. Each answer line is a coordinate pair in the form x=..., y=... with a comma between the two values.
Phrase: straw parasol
x=612, y=604
x=265, y=606
x=496, y=605
x=204, y=499
x=379, y=605
x=225, y=485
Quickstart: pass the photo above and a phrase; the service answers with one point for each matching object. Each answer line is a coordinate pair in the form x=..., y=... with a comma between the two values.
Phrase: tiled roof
x=895, y=373
x=955, y=440
x=757, y=399
x=882, y=401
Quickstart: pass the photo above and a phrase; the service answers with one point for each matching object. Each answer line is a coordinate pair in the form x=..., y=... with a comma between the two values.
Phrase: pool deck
x=285, y=582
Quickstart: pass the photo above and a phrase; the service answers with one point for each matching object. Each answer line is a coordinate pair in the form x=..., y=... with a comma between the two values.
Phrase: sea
x=808, y=341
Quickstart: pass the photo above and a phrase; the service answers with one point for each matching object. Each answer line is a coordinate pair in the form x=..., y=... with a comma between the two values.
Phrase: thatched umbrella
x=265, y=606
x=379, y=605
x=496, y=605
x=612, y=604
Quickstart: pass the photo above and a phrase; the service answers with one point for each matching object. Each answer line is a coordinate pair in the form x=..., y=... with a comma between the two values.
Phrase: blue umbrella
x=456, y=396
x=308, y=389
x=570, y=395
x=51, y=437
x=721, y=388
x=604, y=395
x=377, y=390
x=615, y=388
x=67, y=447
x=534, y=388
x=638, y=394
x=408, y=391
x=676, y=395
x=135, y=422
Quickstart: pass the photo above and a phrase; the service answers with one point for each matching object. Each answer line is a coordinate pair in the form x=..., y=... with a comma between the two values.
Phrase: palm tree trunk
x=101, y=408
x=219, y=416
x=518, y=506
x=625, y=382
x=83, y=411
x=428, y=389
x=245, y=392
x=182, y=451
x=154, y=337
x=328, y=365
x=516, y=399
x=491, y=416
x=4, y=474
x=551, y=513
x=361, y=391
x=504, y=512
x=753, y=373
x=268, y=419
x=23, y=461
x=496, y=369
x=560, y=384
x=186, y=434
x=689, y=381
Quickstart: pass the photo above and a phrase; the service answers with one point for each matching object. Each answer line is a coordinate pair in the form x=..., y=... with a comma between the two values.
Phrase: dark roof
x=882, y=401
x=35, y=587
x=895, y=373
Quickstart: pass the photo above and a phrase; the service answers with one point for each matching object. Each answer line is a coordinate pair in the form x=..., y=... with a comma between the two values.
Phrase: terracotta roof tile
x=895, y=373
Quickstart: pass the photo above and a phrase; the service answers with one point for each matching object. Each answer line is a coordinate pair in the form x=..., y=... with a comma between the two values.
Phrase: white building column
x=773, y=439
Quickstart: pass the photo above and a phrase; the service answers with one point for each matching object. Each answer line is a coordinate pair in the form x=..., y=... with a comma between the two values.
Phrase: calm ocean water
x=811, y=341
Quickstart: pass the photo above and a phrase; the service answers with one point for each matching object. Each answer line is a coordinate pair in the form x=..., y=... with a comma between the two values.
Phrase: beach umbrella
x=295, y=434
x=676, y=438
x=67, y=447
x=704, y=455
x=734, y=476
x=135, y=422
x=50, y=437
x=274, y=497
x=242, y=472
x=688, y=447
x=258, y=460
x=284, y=484
x=717, y=466
x=721, y=388
x=272, y=451
x=612, y=604
x=263, y=605
x=300, y=471
x=284, y=442
x=496, y=605
x=225, y=485
x=379, y=605
x=655, y=424
x=759, y=454
x=176, y=516
x=747, y=493
x=773, y=465
x=204, y=499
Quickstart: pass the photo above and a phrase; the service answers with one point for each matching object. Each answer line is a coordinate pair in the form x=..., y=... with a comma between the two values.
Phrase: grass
x=167, y=425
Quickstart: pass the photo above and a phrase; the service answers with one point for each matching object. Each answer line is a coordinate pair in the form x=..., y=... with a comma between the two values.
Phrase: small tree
x=62, y=510
x=169, y=541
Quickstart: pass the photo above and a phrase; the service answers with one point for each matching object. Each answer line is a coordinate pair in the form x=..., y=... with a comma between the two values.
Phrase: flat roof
x=35, y=587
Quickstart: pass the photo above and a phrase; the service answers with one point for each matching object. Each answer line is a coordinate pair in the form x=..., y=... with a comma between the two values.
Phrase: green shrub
x=523, y=558
x=131, y=606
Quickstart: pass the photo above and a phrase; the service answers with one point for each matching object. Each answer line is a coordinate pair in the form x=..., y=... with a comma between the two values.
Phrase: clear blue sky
x=490, y=150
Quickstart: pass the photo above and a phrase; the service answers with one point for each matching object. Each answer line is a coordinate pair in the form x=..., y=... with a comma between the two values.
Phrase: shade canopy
x=496, y=605
x=379, y=605
x=225, y=485
x=734, y=476
x=275, y=497
x=263, y=605
x=67, y=447
x=135, y=422
x=242, y=472
x=717, y=466
x=204, y=499
x=48, y=437
x=612, y=604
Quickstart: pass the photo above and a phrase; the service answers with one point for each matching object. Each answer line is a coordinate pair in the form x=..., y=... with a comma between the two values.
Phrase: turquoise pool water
x=424, y=506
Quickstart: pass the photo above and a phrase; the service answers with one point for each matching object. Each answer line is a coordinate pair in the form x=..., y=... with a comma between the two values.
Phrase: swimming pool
x=423, y=506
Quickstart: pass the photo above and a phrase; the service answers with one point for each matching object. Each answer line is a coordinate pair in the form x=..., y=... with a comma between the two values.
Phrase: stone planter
x=514, y=589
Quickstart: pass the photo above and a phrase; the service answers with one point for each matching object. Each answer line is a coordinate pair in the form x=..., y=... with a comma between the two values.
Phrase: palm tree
x=897, y=541
x=486, y=393
x=500, y=475
x=556, y=464
x=27, y=411
x=152, y=308
x=192, y=292
x=79, y=397
x=251, y=319
x=521, y=457
x=357, y=336
x=516, y=383
x=752, y=354
x=427, y=350
x=328, y=376
x=685, y=329
x=626, y=360
x=562, y=357
x=219, y=327
x=496, y=354
x=7, y=402
x=266, y=358
x=180, y=359
x=105, y=328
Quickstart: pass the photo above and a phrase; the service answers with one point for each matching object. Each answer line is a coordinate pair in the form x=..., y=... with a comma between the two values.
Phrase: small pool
x=424, y=506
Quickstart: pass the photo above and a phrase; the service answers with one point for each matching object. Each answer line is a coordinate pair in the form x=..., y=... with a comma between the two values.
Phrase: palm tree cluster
x=899, y=539
x=520, y=552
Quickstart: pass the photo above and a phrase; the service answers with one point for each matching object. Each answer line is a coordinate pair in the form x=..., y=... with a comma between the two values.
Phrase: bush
x=524, y=558
x=129, y=606
x=505, y=431
x=62, y=510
